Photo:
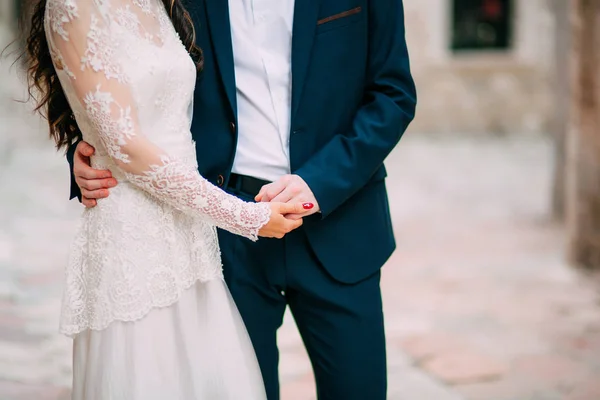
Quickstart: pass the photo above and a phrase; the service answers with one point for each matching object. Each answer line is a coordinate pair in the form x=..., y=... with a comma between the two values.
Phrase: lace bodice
x=130, y=81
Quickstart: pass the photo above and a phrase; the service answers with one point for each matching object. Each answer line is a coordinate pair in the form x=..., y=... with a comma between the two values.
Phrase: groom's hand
x=93, y=183
x=289, y=189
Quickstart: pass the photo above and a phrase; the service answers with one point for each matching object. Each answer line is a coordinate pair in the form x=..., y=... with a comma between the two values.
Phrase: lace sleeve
x=82, y=44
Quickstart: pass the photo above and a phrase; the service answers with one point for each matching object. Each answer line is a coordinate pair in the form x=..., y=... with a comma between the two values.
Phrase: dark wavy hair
x=45, y=88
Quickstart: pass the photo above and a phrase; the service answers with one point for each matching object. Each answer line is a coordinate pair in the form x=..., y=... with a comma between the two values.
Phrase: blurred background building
x=9, y=12
x=482, y=65
x=495, y=197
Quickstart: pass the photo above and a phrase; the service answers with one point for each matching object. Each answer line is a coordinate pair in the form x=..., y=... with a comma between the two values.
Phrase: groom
x=302, y=101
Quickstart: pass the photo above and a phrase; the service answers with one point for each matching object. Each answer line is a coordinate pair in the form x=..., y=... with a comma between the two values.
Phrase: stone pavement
x=479, y=302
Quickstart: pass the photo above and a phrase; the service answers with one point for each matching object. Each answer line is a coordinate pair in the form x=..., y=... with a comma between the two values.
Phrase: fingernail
x=308, y=206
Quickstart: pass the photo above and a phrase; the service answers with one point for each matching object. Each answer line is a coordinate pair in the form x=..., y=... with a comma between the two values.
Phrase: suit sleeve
x=349, y=160
x=74, y=191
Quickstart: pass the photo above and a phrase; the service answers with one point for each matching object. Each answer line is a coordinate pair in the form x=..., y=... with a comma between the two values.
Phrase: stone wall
x=491, y=92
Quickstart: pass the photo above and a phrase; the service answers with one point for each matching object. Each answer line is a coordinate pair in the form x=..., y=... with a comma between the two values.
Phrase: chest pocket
x=339, y=19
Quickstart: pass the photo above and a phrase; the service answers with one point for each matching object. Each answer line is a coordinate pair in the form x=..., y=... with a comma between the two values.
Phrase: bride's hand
x=279, y=225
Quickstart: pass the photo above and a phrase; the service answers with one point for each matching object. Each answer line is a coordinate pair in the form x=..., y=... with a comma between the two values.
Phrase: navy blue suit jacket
x=352, y=99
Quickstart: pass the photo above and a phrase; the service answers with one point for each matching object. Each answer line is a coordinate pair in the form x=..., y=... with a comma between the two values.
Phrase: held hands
x=290, y=189
x=290, y=197
x=279, y=224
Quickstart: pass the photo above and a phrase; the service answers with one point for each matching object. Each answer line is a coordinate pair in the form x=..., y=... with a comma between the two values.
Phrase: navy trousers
x=341, y=325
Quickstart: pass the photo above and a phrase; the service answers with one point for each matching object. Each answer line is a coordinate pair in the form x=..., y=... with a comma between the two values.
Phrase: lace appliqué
x=128, y=19
x=100, y=55
x=114, y=132
x=155, y=236
x=178, y=182
x=166, y=28
x=60, y=13
x=144, y=5
x=110, y=276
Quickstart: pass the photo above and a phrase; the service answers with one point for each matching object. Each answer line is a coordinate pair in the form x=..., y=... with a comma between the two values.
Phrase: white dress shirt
x=261, y=32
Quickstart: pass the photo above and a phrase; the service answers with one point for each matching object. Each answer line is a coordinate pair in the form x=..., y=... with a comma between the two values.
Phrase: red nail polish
x=308, y=206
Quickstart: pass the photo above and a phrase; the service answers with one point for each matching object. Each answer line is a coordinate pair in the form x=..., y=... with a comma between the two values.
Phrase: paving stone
x=463, y=367
x=427, y=346
x=509, y=388
x=552, y=370
x=589, y=390
x=414, y=384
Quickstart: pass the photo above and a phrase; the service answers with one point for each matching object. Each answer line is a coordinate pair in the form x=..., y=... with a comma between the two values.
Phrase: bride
x=144, y=302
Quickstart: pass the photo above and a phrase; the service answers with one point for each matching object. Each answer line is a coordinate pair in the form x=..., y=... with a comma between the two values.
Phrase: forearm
x=182, y=187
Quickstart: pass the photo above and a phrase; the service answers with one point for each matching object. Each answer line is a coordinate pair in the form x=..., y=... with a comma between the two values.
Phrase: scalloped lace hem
x=73, y=330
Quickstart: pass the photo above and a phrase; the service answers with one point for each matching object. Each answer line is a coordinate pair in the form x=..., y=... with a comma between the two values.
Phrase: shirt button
x=220, y=180
x=232, y=127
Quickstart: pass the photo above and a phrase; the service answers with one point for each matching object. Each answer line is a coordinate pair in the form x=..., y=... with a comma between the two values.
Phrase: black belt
x=246, y=184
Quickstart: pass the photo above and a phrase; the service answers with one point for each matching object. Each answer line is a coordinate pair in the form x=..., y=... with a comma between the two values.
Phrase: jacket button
x=232, y=127
x=220, y=180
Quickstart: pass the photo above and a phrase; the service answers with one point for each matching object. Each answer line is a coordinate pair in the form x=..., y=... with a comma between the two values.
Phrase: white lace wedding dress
x=145, y=300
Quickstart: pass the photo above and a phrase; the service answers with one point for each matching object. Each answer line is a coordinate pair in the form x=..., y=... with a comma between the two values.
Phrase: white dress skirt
x=195, y=349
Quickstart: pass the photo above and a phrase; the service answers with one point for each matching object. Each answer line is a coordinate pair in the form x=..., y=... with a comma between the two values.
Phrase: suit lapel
x=303, y=34
x=217, y=12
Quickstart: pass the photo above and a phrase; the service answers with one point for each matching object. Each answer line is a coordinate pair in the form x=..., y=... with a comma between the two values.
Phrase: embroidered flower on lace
x=99, y=54
x=144, y=5
x=60, y=13
x=103, y=6
x=125, y=123
x=160, y=285
x=115, y=133
x=128, y=19
x=165, y=27
x=178, y=182
x=125, y=292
